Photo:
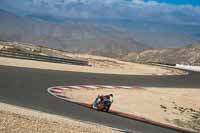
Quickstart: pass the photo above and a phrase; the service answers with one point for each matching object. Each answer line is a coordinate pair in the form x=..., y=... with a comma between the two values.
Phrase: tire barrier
x=160, y=63
x=28, y=56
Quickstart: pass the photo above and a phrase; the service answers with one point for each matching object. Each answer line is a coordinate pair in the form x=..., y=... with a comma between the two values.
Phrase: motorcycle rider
x=102, y=99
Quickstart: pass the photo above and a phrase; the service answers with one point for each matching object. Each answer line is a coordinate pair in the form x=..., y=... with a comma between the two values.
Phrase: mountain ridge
x=71, y=36
x=189, y=55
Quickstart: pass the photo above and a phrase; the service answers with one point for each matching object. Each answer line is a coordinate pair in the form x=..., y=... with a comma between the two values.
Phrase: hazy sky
x=191, y=2
x=172, y=11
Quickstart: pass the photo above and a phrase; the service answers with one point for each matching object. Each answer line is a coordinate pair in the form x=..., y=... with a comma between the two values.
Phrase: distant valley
x=71, y=35
x=128, y=40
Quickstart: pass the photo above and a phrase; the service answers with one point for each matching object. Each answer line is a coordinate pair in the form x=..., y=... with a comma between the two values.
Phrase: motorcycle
x=103, y=106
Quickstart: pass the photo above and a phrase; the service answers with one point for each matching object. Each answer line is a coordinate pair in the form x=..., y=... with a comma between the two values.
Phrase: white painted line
x=49, y=91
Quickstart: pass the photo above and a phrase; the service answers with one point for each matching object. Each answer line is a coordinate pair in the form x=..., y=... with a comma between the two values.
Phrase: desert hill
x=188, y=55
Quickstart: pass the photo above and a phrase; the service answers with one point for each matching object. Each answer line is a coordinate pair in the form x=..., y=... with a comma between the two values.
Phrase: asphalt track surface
x=28, y=88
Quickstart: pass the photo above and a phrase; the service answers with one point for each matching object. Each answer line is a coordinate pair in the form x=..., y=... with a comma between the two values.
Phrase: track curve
x=27, y=87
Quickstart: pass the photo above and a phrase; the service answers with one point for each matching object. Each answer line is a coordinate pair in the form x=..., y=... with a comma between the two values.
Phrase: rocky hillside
x=72, y=36
x=187, y=55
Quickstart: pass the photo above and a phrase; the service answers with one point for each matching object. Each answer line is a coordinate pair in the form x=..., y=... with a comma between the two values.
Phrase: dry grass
x=160, y=104
x=19, y=120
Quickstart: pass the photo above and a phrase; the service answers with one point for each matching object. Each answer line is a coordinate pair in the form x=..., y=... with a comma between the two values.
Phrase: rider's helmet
x=111, y=95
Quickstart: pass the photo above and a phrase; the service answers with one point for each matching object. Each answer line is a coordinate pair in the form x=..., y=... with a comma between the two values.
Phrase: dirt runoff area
x=97, y=66
x=179, y=107
x=20, y=120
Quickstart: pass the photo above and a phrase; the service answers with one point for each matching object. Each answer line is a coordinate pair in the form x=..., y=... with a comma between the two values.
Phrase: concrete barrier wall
x=188, y=67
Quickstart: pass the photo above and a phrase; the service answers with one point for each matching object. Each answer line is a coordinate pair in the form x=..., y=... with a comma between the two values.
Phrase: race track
x=27, y=87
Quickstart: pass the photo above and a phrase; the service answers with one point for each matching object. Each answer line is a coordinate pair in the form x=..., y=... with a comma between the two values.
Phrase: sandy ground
x=99, y=64
x=102, y=67
x=20, y=120
x=1, y=46
x=166, y=105
x=119, y=67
